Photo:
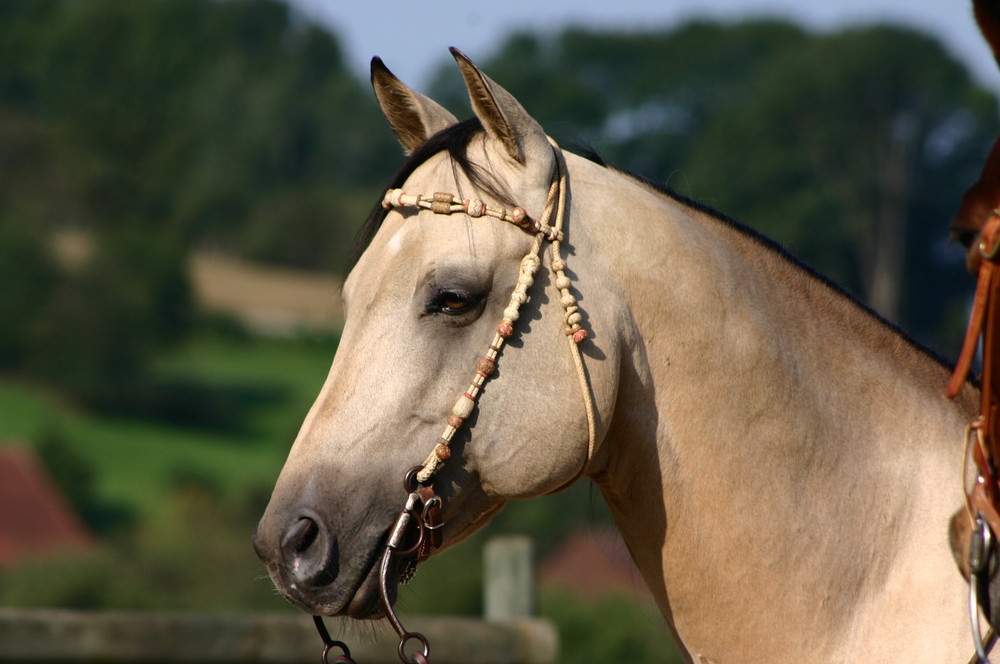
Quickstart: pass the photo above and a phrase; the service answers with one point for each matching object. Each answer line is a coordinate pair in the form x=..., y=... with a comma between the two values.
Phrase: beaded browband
x=444, y=203
x=543, y=229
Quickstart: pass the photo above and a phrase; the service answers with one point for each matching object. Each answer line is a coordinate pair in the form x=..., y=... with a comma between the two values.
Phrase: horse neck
x=759, y=411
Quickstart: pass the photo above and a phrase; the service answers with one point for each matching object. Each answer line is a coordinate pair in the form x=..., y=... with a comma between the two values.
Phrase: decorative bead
x=441, y=451
x=454, y=421
x=486, y=365
x=519, y=297
x=562, y=281
x=475, y=207
x=505, y=329
x=517, y=215
x=574, y=318
x=441, y=203
x=463, y=407
x=558, y=265
x=567, y=300
x=578, y=337
x=530, y=263
x=511, y=314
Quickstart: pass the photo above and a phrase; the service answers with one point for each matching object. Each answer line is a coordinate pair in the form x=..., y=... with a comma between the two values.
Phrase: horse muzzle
x=303, y=557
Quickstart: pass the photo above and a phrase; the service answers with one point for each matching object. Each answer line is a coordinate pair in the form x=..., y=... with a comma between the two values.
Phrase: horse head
x=422, y=304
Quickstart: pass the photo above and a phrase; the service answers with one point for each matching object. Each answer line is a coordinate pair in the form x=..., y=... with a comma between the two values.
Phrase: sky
x=413, y=37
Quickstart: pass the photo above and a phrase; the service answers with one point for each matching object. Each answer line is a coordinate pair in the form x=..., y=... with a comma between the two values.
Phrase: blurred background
x=180, y=186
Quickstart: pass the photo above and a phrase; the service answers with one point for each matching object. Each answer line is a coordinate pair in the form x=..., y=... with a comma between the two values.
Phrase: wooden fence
x=507, y=634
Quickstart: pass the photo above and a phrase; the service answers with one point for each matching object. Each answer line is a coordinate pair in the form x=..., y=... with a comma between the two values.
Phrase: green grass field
x=267, y=385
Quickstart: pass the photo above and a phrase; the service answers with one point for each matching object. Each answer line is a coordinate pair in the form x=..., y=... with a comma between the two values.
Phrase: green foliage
x=611, y=628
x=196, y=555
x=153, y=127
x=196, y=120
x=75, y=476
x=133, y=459
x=28, y=273
x=640, y=97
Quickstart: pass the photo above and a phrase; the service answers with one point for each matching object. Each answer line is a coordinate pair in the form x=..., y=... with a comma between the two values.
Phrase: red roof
x=34, y=516
x=591, y=563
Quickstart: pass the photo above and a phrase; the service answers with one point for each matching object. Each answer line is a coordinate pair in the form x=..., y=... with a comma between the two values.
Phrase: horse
x=782, y=463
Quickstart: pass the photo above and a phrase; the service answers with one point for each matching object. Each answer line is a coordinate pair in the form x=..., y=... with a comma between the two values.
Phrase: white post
x=509, y=578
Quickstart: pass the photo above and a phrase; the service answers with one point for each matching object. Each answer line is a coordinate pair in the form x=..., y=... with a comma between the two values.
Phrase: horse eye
x=452, y=303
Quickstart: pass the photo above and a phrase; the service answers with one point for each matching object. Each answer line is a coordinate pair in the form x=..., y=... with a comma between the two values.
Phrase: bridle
x=982, y=437
x=417, y=529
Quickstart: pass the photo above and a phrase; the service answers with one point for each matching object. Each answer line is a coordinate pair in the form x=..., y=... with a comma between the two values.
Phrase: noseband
x=420, y=519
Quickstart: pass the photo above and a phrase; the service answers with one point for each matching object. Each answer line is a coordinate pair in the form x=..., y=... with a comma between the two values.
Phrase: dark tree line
x=151, y=128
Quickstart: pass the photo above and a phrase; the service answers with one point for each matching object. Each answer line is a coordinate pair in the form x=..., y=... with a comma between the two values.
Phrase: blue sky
x=412, y=37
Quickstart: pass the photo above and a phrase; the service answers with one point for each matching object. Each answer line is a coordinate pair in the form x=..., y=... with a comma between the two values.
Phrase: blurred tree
x=642, y=98
x=150, y=128
x=287, y=121
x=29, y=274
x=74, y=474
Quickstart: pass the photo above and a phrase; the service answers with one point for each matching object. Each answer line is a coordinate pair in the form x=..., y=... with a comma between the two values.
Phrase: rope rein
x=548, y=228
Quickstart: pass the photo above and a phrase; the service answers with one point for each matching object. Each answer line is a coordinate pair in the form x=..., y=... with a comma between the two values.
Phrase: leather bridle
x=982, y=436
x=417, y=529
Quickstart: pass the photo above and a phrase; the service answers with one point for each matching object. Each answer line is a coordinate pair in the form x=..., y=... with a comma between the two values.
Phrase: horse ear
x=502, y=116
x=413, y=117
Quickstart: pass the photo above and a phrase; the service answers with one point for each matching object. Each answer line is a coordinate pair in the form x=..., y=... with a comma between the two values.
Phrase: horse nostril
x=301, y=535
x=309, y=552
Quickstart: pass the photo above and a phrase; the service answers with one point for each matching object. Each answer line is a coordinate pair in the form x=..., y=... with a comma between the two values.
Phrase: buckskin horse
x=782, y=463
